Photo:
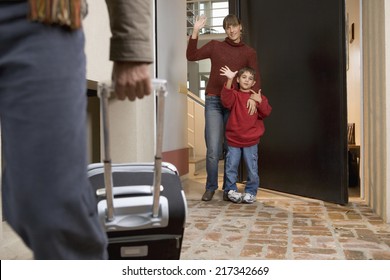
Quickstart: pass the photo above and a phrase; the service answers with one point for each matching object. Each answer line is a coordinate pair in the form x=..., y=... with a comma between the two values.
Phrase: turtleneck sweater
x=223, y=53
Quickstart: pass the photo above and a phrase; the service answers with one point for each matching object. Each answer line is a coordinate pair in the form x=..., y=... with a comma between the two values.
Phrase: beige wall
x=97, y=36
x=354, y=80
x=172, y=65
x=132, y=124
x=376, y=111
x=387, y=129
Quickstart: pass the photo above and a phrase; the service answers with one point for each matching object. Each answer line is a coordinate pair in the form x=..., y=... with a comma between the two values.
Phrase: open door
x=302, y=59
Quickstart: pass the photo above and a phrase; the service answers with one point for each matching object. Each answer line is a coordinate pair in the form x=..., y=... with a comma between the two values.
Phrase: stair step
x=196, y=163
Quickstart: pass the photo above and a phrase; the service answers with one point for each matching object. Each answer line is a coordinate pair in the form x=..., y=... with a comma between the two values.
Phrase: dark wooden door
x=302, y=59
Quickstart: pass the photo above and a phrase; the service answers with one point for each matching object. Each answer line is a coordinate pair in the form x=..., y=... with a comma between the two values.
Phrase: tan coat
x=127, y=42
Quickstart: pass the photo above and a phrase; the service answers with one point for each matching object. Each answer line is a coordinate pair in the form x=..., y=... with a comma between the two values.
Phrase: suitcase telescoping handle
x=104, y=91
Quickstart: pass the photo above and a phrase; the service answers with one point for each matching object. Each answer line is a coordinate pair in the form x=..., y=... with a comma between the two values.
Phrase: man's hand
x=131, y=79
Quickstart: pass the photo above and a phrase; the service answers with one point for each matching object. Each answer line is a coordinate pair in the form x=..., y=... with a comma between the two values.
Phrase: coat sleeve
x=130, y=23
x=264, y=108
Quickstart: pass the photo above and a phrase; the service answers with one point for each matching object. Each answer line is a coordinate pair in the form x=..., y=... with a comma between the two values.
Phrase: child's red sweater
x=242, y=129
x=225, y=53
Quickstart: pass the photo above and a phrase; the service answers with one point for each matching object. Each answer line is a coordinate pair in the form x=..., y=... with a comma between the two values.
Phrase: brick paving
x=281, y=227
x=284, y=229
x=276, y=227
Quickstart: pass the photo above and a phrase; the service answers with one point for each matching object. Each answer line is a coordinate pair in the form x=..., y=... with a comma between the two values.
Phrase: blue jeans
x=233, y=158
x=46, y=195
x=216, y=117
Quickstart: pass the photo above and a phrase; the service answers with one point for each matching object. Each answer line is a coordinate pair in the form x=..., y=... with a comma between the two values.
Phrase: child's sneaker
x=234, y=196
x=248, y=198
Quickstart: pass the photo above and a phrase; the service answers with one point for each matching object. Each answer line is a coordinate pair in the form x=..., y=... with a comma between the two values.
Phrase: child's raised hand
x=225, y=71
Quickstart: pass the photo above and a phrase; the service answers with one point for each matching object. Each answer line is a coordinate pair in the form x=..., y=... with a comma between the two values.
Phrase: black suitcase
x=144, y=212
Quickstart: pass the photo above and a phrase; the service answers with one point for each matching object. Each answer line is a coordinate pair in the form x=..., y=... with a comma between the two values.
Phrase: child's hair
x=247, y=69
x=230, y=20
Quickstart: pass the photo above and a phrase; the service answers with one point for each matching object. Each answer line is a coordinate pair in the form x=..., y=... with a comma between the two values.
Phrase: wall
x=132, y=123
x=387, y=171
x=354, y=94
x=97, y=33
x=376, y=105
x=172, y=65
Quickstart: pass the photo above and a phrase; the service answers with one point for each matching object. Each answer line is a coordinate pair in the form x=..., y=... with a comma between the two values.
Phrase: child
x=243, y=132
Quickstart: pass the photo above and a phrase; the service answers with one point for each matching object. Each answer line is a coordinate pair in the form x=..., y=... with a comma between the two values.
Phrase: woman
x=233, y=52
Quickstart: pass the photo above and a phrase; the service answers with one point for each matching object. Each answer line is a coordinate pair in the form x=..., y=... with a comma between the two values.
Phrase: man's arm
x=131, y=47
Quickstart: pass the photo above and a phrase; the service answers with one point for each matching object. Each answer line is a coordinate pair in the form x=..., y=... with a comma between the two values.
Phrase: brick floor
x=280, y=226
x=276, y=227
x=284, y=229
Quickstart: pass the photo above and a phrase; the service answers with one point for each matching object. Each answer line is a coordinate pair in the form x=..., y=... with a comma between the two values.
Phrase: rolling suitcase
x=142, y=206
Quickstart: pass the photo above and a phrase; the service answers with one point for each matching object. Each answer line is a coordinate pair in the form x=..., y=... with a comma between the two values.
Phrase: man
x=46, y=195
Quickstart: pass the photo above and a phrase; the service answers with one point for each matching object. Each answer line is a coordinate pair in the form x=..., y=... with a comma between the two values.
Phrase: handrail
x=196, y=98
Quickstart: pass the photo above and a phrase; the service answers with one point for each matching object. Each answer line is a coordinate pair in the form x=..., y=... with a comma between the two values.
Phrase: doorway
x=354, y=96
x=334, y=64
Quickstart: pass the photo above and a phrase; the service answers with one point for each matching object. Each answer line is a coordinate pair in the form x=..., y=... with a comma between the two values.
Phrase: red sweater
x=225, y=53
x=242, y=129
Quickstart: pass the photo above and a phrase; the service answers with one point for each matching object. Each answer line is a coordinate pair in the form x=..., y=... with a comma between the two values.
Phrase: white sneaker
x=234, y=196
x=249, y=198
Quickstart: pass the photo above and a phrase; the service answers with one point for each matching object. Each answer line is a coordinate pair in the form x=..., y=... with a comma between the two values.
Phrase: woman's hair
x=230, y=20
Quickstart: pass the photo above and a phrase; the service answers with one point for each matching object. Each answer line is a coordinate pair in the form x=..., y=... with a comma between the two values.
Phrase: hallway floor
x=277, y=226
x=281, y=226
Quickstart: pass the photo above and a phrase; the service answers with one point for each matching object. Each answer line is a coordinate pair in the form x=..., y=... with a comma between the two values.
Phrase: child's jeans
x=233, y=158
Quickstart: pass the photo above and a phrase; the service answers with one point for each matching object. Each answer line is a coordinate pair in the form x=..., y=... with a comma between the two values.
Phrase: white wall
x=376, y=67
x=132, y=123
x=172, y=65
x=97, y=33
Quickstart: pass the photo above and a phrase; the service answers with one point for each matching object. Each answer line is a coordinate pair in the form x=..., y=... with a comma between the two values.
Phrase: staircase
x=196, y=163
x=196, y=143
